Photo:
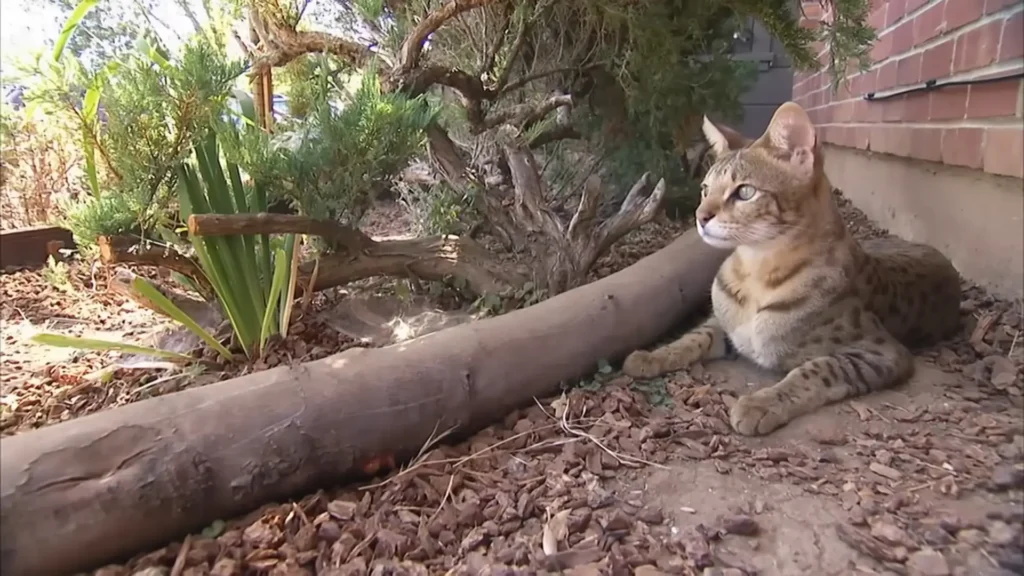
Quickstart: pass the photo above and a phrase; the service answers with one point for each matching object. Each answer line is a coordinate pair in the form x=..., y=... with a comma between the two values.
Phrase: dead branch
x=337, y=234
x=531, y=210
x=636, y=210
x=413, y=45
x=125, y=250
x=495, y=47
x=280, y=44
x=517, y=46
x=521, y=82
x=434, y=258
x=524, y=115
x=553, y=135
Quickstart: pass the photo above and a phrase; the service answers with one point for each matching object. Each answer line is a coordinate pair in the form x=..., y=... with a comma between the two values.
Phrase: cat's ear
x=791, y=129
x=722, y=138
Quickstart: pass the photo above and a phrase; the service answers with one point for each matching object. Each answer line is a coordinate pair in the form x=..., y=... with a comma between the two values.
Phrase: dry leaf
x=555, y=530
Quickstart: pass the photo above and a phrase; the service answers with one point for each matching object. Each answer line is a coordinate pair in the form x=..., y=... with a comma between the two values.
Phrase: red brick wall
x=977, y=126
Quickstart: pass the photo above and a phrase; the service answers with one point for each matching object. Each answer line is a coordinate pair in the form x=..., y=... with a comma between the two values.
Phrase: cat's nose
x=704, y=216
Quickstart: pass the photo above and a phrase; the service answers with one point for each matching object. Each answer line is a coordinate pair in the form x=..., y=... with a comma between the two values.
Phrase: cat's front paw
x=758, y=414
x=641, y=364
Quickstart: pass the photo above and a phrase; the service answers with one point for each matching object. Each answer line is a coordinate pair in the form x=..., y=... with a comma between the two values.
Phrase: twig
x=444, y=499
x=361, y=546
x=621, y=458
x=179, y=562
x=456, y=461
x=298, y=511
x=307, y=298
x=989, y=557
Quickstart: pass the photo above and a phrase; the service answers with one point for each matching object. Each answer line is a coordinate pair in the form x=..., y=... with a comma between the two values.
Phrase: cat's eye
x=745, y=192
x=703, y=190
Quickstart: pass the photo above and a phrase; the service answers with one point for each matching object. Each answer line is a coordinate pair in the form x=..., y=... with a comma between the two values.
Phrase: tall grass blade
x=79, y=343
x=90, y=162
x=280, y=271
x=288, y=298
x=71, y=25
x=143, y=287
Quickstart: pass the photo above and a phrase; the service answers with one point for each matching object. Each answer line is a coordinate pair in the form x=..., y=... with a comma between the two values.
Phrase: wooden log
x=82, y=493
x=30, y=247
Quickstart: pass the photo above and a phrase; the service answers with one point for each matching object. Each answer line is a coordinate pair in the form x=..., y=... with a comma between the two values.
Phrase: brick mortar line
x=996, y=69
x=978, y=123
x=1003, y=14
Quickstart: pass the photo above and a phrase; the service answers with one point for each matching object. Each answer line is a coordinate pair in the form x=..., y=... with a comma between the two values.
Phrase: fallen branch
x=126, y=250
x=433, y=258
x=111, y=484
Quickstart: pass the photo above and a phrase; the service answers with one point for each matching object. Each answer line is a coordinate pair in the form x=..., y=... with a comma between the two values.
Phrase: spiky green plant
x=247, y=275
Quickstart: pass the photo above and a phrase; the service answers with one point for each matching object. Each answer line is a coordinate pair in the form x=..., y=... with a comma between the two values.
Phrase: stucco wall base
x=976, y=219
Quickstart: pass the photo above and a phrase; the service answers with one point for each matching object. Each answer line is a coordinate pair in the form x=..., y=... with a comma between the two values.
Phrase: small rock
x=259, y=535
x=226, y=567
x=889, y=533
x=740, y=525
x=927, y=563
x=723, y=572
x=884, y=457
x=885, y=471
x=971, y=536
x=1008, y=477
x=951, y=523
x=1002, y=534
x=329, y=531
x=1004, y=372
x=342, y=510
x=651, y=515
x=152, y=571
x=648, y=570
x=935, y=536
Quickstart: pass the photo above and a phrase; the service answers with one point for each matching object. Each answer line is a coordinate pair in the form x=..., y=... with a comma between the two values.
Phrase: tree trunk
x=98, y=488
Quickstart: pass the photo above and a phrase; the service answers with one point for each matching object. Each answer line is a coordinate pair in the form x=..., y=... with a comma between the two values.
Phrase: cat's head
x=759, y=190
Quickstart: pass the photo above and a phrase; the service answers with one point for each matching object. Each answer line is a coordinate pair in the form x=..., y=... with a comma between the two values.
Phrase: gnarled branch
x=524, y=115
x=413, y=45
x=280, y=44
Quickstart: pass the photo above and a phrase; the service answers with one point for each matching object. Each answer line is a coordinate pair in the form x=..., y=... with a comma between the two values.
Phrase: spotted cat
x=798, y=294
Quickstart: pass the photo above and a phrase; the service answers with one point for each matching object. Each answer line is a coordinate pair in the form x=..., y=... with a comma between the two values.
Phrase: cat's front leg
x=705, y=342
x=852, y=370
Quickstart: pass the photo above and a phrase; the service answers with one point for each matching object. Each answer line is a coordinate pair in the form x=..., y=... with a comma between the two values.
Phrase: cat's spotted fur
x=798, y=294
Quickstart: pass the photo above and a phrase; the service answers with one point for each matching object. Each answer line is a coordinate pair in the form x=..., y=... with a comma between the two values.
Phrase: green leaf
x=280, y=270
x=152, y=51
x=64, y=341
x=90, y=161
x=215, y=529
x=71, y=25
x=143, y=287
x=288, y=297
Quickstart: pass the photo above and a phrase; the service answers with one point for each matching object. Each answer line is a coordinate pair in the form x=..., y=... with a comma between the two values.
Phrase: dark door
x=774, y=84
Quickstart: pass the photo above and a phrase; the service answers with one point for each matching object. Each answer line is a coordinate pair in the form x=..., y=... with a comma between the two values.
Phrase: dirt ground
x=622, y=477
